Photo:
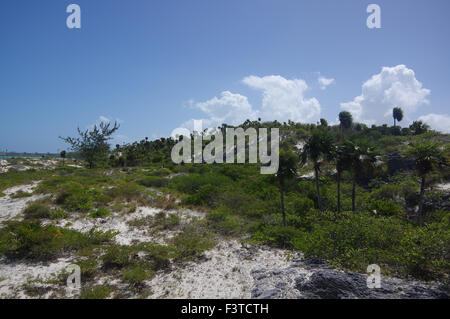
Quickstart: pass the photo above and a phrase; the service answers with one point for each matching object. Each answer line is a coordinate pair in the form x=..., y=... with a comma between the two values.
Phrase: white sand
x=224, y=273
x=14, y=275
x=11, y=208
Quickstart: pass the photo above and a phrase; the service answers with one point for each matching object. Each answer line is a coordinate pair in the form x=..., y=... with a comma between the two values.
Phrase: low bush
x=97, y=292
x=37, y=211
x=116, y=257
x=153, y=181
x=58, y=213
x=32, y=240
x=99, y=213
x=136, y=275
x=191, y=242
x=75, y=198
x=21, y=194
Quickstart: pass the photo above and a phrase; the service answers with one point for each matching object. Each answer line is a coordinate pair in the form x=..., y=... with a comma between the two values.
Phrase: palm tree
x=428, y=156
x=318, y=147
x=342, y=155
x=287, y=170
x=362, y=158
x=346, y=120
x=397, y=114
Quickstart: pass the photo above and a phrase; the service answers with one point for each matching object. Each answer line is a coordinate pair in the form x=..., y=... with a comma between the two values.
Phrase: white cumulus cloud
x=229, y=108
x=324, y=82
x=392, y=87
x=284, y=99
x=439, y=122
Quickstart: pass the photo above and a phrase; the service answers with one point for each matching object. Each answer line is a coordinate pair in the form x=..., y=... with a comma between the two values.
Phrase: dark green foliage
x=191, y=242
x=75, y=198
x=92, y=146
x=397, y=114
x=136, y=275
x=37, y=211
x=31, y=239
x=99, y=213
x=153, y=181
x=117, y=257
x=418, y=127
x=97, y=292
x=346, y=120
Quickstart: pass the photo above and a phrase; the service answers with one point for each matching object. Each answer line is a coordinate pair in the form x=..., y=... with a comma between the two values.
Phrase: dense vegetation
x=351, y=194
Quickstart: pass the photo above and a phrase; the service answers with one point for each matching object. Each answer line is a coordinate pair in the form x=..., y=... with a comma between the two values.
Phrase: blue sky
x=156, y=65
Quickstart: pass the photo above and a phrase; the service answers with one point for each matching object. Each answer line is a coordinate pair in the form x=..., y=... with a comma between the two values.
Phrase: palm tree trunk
x=282, y=203
x=394, y=122
x=353, y=194
x=316, y=173
x=339, y=191
x=420, y=217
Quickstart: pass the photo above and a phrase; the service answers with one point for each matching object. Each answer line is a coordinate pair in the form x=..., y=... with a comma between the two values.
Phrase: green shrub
x=88, y=268
x=278, y=235
x=75, y=198
x=36, y=211
x=191, y=242
x=153, y=181
x=32, y=240
x=301, y=206
x=190, y=184
x=58, y=213
x=20, y=194
x=206, y=195
x=116, y=257
x=99, y=213
x=221, y=221
x=136, y=275
x=98, y=292
x=164, y=221
x=386, y=207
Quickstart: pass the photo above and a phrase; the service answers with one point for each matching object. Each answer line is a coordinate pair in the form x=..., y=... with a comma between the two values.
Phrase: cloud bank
x=439, y=122
x=282, y=100
x=393, y=86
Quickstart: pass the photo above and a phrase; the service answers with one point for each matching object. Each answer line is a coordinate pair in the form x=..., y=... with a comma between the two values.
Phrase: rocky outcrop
x=315, y=280
x=395, y=163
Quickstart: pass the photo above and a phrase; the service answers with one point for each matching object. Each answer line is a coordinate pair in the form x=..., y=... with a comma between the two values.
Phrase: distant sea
x=7, y=157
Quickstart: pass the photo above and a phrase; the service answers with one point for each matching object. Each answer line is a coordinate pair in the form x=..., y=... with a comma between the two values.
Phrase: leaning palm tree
x=362, y=159
x=318, y=147
x=397, y=114
x=428, y=156
x=287, y=170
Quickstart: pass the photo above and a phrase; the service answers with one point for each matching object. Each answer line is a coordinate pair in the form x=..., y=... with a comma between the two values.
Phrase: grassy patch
x=36, y=211
x=99, y=213
x=29, y=239
x=97, y=292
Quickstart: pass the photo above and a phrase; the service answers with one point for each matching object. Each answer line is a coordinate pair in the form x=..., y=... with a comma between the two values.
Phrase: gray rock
x=317, y=281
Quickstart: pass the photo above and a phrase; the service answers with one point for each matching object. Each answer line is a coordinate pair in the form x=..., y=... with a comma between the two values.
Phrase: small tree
x=427, y=156
x=318, y=147
x=419, y=127
x=397, y=114
x=287, y=170
x=63, y=156
x=342, y=156
x=93, y=145
x=346, y=120
x=323, y=122
x=362, y=160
